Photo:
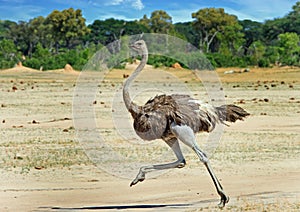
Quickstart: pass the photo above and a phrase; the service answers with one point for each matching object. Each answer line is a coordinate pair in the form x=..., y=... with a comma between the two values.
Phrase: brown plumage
x=155, y=117
x=176, y=118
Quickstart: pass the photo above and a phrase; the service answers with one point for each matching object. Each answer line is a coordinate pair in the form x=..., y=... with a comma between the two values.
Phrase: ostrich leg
x=187, y=136
x=203, y=158
x=180, y=163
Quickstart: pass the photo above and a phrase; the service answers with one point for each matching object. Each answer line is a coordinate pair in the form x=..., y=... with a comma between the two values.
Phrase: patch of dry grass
x=35, y=154
x=245, y=204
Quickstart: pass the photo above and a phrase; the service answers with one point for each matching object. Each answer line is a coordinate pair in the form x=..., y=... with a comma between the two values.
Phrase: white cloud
x=261, y=10
x=182, y=15
x=243, y=15
x=111, y=15
x=116, y=2
x=136, y=4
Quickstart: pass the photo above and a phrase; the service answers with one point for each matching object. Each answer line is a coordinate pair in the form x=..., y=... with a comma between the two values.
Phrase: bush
x=9, y=55
x=191, y=60
x=160, y=60
x=6, y=64
x=220, y=60
x=194, y=60
x=33, y=63
x=42, y=58
x=263, y=63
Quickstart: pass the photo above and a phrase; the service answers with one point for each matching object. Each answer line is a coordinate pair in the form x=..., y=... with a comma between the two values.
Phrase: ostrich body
x=175, y=118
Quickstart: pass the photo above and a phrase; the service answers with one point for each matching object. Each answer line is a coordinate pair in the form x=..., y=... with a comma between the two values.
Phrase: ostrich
x=175, y=118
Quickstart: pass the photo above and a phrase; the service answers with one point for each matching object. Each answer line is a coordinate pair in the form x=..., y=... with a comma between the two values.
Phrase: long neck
x=130, y=105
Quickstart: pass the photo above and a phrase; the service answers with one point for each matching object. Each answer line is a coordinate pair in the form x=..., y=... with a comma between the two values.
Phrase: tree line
x=64, y=37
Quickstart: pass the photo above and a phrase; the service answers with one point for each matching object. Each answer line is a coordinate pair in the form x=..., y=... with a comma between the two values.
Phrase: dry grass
x=38, y=134
x=245, y=204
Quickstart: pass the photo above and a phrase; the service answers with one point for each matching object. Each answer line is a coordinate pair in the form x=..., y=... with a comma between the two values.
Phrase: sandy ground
x=44, y=166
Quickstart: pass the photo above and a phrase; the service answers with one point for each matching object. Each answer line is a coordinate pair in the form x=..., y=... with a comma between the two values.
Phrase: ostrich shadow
x=121, y=207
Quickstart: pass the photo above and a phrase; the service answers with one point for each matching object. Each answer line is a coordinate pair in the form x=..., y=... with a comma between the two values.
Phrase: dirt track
x=44, y=168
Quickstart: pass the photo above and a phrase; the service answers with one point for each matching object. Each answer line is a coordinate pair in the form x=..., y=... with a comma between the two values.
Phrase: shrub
x=220, y=60
x=33, y=63
x=42, y=58
x=263, y=63
x=6, y=63
x=160, y=60
x=9, y=55
x=194, y=60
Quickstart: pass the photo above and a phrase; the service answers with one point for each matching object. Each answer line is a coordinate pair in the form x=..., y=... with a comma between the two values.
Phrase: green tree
x=272, y=54
x=253, y=31
x=40, y=32
x=8, y=49
x=5, y=26
x=269, y=31
x=27, y=35
x=272, y=28
x=145, y=21
x=289, y=48
x=161, y=22
x=209, y=23
x=231, y=41
x=294, y=19
x=21, y=36
x=109, y=30
x=257, y=51
x=40, y=58
x=188, y=32
x=67, y=27
x=41, y=52
x=106, y=31
x=8, y=53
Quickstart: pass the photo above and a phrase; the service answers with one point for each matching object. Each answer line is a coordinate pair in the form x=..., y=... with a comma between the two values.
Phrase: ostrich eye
x=147, y=116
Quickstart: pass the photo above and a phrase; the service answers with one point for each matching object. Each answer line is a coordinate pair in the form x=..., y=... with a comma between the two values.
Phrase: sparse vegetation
x=39, y=141
x=63, y=38
x=41, y=154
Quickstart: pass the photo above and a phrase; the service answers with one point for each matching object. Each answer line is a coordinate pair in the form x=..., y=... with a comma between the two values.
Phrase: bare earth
x=43, y=166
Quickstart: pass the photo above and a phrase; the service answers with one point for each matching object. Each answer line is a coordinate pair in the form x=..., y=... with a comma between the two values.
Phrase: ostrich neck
x=130, y=105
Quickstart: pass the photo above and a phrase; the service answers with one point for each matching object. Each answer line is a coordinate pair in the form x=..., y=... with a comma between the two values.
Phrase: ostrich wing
x=183, y=110
x=197, y=115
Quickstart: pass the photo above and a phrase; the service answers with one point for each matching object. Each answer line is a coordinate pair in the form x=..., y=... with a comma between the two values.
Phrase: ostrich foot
x=224, y=199
x=139, y=178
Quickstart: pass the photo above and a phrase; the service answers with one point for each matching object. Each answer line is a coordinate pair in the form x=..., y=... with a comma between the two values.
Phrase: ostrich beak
x=133, y=47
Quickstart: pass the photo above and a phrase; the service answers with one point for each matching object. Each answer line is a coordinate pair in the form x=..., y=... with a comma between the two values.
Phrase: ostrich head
x=140, y=47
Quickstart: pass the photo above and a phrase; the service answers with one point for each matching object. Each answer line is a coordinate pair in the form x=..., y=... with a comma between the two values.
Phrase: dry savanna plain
x=45, y=165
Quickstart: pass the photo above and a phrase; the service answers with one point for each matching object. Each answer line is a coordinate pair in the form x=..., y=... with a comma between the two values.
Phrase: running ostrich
x=175, y=118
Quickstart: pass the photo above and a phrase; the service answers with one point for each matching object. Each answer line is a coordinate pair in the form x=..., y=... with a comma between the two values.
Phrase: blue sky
x=179, y=10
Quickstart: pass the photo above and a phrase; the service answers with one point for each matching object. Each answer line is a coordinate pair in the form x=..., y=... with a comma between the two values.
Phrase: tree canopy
x=63, y=37
x=211, y=22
